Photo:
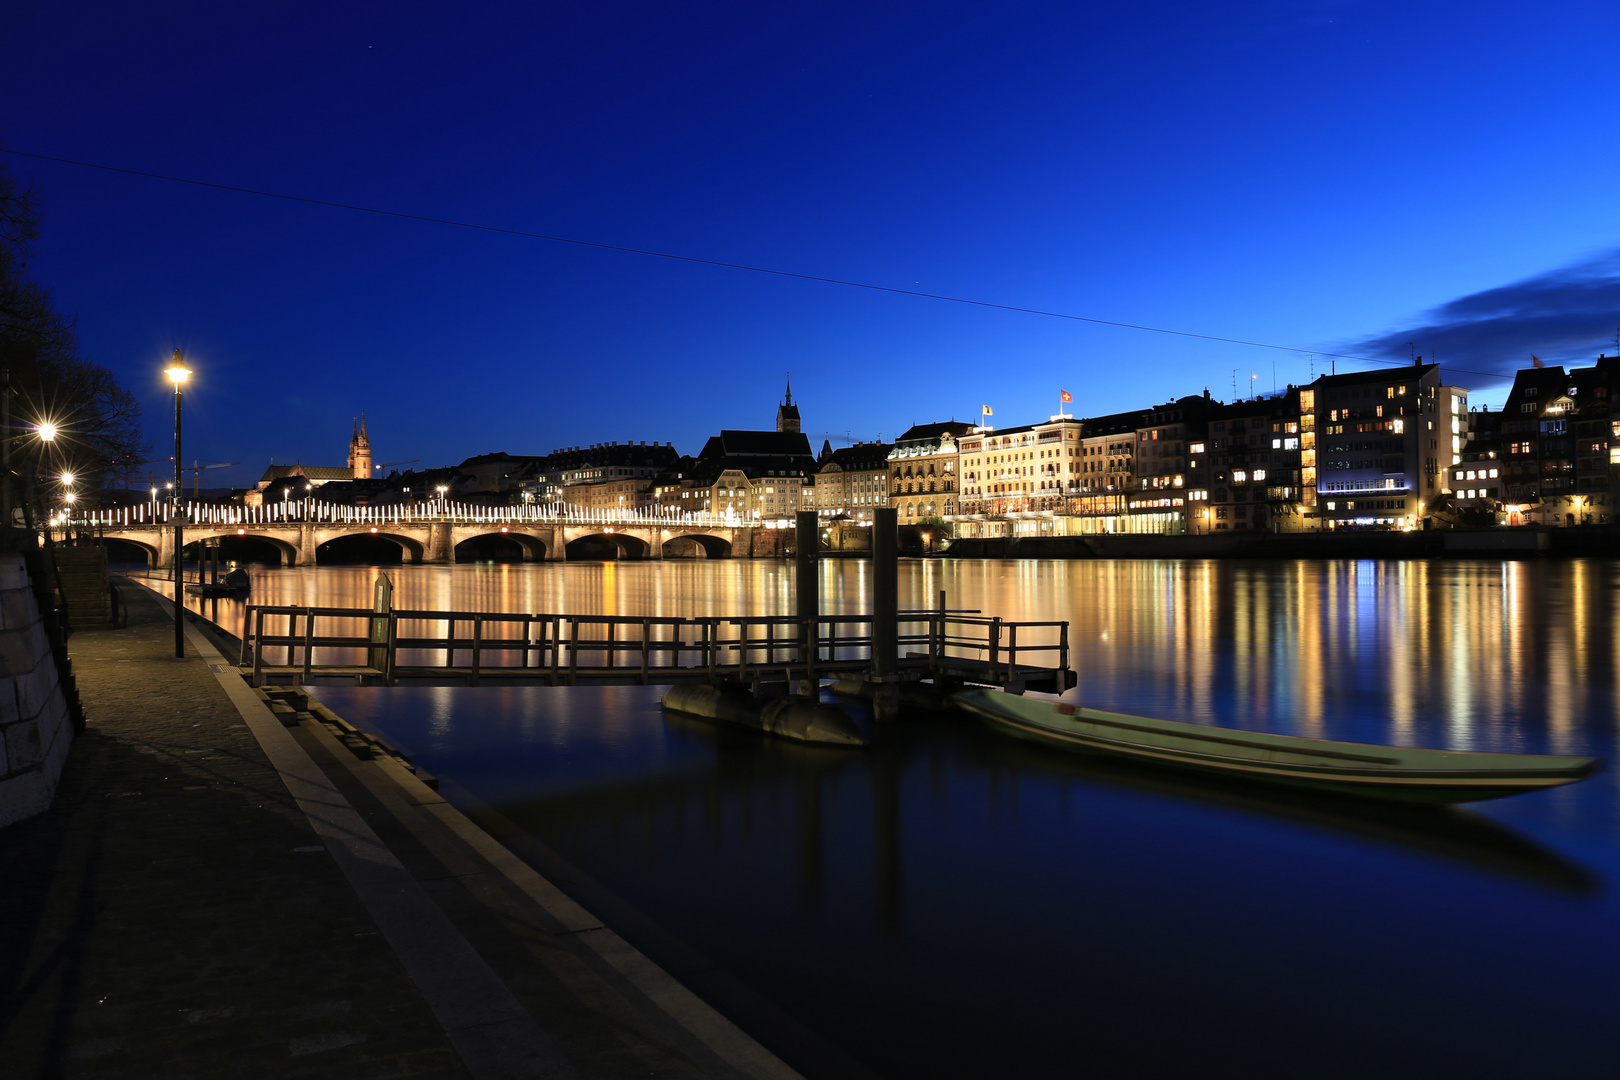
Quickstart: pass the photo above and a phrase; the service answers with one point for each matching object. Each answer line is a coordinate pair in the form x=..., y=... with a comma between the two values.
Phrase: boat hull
x=1382, y=772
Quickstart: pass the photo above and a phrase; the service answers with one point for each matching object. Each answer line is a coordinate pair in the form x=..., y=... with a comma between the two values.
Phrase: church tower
x=787, y=413
x=360, y=451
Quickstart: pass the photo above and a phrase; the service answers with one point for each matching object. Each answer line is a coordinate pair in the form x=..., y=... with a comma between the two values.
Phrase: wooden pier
x=283, y=644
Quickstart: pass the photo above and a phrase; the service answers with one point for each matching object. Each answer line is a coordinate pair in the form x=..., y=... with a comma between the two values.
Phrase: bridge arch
x=697, y=546
x=332, y=543
x=126, y=546
x=533, y=548
x=606, y=547
x=288, y=551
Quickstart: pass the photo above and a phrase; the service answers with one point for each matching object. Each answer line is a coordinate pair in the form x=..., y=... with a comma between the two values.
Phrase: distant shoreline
x=1599, y=541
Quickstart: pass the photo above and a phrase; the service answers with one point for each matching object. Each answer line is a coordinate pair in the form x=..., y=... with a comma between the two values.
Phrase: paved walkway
x=176, y=913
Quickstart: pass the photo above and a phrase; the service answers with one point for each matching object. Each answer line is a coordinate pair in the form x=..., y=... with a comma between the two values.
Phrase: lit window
x=1198, y=447
x=1259, y=474
x=1239, y=476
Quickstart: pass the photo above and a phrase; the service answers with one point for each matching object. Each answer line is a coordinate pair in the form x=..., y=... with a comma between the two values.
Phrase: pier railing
x=474, y=646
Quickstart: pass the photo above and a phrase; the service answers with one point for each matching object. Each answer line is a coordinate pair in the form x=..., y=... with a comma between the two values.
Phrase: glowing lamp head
x=68, y=498
x=241, y=532
x=67, y=478
x=177, y=374
x=374, y=528
x=503, y=529
x=47, y=432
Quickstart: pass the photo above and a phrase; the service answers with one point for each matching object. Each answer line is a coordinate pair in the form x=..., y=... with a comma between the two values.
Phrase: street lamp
x=177, y=373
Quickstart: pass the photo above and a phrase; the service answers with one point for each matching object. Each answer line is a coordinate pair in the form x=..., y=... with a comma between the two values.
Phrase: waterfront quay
x=217, y=890
x=913, y=907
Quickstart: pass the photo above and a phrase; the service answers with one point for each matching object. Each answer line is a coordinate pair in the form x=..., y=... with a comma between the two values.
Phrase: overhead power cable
x=427, y=219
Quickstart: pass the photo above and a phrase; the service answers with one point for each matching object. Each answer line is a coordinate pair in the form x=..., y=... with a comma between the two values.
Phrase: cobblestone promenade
x=175, y=913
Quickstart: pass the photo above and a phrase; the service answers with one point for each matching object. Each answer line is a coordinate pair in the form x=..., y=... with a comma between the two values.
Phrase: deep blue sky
x=1338, y=176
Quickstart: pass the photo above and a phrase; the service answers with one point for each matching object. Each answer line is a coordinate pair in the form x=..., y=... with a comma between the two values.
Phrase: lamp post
x=177, y=373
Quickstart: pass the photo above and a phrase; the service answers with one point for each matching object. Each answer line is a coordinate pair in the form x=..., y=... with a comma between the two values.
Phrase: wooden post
x=258, y=650
x=393, y=649
x=807, y=593
x=573, y=651
x=556, y=647
x=885, y=590
x=885, y=611
x=382, y=604
x=309, y=649
x=1063, y=657
x=477, y=648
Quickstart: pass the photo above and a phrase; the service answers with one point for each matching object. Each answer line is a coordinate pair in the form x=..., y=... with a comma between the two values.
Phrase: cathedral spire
x=787, y=414
x=360, y=450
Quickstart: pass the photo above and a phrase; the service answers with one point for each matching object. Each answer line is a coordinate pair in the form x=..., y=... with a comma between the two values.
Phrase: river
x=950, y=903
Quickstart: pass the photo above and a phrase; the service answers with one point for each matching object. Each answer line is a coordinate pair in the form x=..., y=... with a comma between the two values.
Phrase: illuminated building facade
x=1559, y=438
x=1382, y=447
x=852, y=480
x=1248, y=474
x=925, y=481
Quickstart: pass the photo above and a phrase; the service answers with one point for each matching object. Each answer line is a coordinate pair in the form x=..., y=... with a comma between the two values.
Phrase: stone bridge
x=436, y=541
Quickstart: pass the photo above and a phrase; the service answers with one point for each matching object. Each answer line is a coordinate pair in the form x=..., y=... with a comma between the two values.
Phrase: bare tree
x=98, y=421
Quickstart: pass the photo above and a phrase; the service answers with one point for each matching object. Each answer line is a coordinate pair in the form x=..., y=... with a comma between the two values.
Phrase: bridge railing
x=561, y=648
x=310, y=511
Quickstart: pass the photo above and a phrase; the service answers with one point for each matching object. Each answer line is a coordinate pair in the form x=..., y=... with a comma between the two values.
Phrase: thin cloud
x=1564, y=315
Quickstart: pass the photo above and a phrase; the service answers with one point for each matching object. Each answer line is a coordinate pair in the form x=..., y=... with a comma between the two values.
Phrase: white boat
x=1386, y=772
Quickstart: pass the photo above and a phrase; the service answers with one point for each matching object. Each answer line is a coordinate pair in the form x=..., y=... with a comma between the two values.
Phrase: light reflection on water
x=952, y=903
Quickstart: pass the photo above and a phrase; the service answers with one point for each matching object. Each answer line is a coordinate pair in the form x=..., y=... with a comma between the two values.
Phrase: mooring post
x=807, y=592
x=885, y=611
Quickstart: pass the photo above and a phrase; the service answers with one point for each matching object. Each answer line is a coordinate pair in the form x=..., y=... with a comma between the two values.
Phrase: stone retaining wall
x=36, y=729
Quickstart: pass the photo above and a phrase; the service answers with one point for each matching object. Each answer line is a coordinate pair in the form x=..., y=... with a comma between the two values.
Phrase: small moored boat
x=1345, y=768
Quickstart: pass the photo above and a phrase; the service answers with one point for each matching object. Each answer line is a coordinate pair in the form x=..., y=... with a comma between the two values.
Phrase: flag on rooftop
x=1535, y=361
x=1064, y=395
x=986, y=410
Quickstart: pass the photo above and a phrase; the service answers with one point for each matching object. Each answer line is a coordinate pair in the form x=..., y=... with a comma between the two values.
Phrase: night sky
x=1344, y=177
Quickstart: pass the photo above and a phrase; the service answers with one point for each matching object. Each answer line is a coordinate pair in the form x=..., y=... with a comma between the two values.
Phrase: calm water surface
x=953, y=903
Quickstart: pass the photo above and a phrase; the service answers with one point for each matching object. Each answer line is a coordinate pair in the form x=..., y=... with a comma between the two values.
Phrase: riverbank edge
x=1601, y=541
x=397, y=787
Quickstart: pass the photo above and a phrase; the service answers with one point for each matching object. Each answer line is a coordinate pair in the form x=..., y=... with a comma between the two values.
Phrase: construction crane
x=391, y=464
x=195, y=469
